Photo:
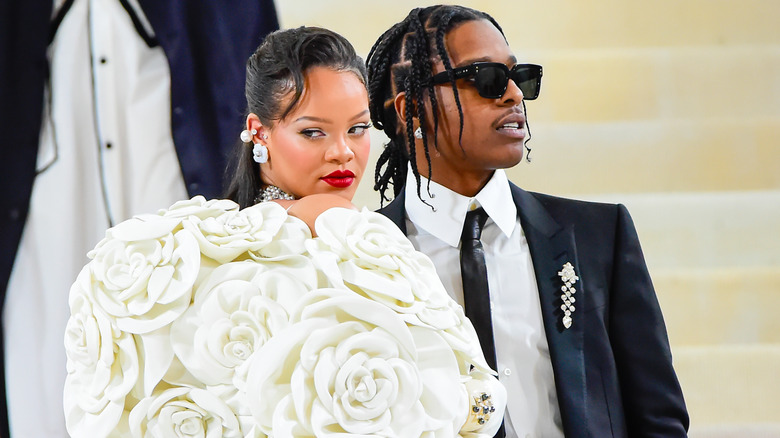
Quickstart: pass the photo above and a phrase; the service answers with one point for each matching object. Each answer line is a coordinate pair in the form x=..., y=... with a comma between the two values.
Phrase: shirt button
x=507, y=372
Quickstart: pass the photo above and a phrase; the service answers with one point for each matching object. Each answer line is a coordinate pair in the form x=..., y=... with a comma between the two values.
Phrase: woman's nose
x=340, y=151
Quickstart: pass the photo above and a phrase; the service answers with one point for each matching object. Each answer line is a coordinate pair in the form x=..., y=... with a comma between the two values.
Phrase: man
x=567, y=313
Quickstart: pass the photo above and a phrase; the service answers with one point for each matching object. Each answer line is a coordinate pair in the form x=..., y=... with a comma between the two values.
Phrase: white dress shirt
x=523, y=357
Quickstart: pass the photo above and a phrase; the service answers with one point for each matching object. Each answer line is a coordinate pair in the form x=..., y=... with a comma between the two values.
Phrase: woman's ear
x=254, y=125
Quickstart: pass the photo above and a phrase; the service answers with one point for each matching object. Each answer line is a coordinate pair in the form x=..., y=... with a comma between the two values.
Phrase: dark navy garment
x=23, y=69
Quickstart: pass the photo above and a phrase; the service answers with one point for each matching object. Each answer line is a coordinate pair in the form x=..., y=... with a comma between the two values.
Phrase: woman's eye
x=359, y=129
x=312, y=133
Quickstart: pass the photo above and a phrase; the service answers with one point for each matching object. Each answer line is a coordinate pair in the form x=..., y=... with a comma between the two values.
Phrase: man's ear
x=400, y=106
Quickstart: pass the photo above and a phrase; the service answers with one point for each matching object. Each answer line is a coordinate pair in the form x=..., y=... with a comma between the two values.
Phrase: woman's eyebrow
x=312, y=119
x=361, y=114
x=327, y=121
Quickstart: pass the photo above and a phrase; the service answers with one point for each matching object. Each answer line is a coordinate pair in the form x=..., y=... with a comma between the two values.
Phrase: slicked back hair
x=275, y=71
x=401, y=60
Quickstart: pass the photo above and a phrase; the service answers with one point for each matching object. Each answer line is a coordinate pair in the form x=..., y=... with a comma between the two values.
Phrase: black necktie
x=476, y=295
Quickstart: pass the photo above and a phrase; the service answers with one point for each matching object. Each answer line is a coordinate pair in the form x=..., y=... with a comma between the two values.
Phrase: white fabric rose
x=183, y=412
x=487, y=402
x=102, y=365
x=369, y=254
x=236, y=309
x=232, y=233
x=143, y=272
x=351, y=365
x=290, y=238
x=203, y=320
x=199, y=207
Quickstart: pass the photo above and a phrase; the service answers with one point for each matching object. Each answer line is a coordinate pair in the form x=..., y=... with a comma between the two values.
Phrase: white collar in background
x=446, y=223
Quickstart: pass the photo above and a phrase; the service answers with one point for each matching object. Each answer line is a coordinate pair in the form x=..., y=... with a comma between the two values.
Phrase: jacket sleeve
x=652, y=397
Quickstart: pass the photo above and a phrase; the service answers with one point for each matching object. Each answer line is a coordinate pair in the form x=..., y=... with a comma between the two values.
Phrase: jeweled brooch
x=569, y=277
x=481, y=408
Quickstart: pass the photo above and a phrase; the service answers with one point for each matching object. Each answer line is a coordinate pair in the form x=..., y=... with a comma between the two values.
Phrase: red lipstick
x=339, y=178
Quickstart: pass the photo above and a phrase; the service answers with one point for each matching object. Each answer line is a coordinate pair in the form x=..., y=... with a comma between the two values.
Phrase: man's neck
x=465, y=183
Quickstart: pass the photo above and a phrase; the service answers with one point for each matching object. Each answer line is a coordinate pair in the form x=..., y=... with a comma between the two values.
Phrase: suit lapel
x=551, y=247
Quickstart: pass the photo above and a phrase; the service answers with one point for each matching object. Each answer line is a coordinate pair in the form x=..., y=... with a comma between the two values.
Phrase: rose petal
x=156, y=357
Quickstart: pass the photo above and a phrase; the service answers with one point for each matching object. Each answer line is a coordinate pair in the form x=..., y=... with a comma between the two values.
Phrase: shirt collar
x=446, y=222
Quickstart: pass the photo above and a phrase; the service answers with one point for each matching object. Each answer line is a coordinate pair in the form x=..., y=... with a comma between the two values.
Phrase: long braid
x=417, y=49
x=420, y=72
x=380, y=65
x=389, y=154
x=445, y=59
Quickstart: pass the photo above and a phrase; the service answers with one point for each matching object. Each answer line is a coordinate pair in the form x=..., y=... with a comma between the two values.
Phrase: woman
x=229, y=319
x=449, y=93
x=321, y=150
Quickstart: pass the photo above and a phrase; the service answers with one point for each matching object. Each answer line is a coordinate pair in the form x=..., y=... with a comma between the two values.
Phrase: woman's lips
x=339, y=178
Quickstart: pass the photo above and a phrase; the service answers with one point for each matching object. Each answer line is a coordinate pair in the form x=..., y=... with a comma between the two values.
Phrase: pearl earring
x=246, y=136
x=418, y=133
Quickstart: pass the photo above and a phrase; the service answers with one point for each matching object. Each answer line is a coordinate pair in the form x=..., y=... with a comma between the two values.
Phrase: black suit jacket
x=613, y=366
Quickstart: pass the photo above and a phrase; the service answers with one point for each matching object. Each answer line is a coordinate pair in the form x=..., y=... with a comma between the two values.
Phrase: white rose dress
x=209, y=321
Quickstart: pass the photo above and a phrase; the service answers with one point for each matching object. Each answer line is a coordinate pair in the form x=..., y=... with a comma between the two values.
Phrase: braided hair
x=401, y=61
x=275, y=72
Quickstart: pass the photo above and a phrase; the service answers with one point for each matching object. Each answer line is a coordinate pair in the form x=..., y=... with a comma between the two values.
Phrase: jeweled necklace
x=271, y=192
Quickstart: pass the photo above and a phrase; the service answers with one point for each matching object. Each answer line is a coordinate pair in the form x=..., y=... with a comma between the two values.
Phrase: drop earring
x=260, y=153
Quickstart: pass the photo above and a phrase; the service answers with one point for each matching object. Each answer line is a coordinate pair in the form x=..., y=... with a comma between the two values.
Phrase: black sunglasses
x=492, y=78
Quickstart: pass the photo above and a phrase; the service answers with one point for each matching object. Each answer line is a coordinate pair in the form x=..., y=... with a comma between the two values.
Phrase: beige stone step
x=550, y=26
x=730, y=386
x=746, y=430
x=705, y=230
x=717, y=154
x=720, y=306
x=614, y=84
x=610, y=23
